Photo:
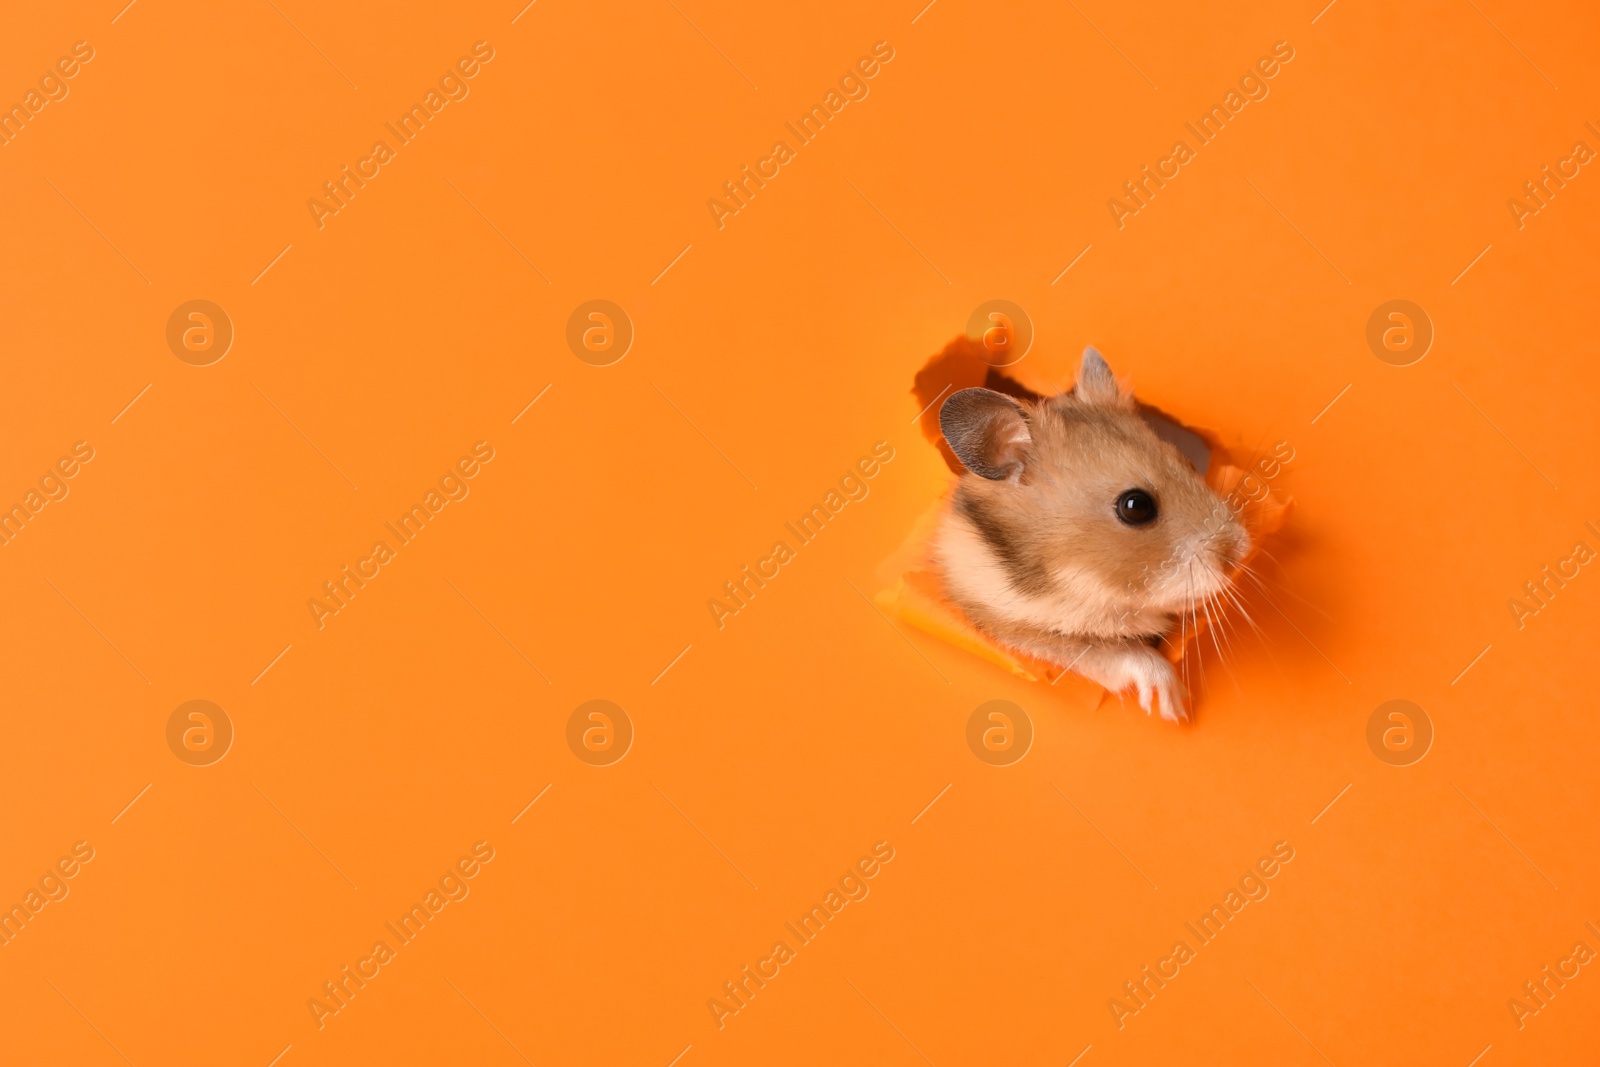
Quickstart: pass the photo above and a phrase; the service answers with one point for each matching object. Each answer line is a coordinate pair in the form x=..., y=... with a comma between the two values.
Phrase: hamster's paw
x=1145, y=671
x=1170, y=694
x=1155, y=679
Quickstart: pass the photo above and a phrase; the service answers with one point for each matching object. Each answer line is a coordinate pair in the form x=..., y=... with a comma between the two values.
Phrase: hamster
x=1078, y=536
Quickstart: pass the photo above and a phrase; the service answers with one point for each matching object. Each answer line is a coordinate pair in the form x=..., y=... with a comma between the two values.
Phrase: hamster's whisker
x=1194, y=617
x=1229, y=625
x=1195, y=607
x=1254, y=575
x=1221, y=616
x=1234, y=626
x=1222, y=619
x=1250, y=619
x=1183, y=636
x=1286, y=591
x=1232, y=594
x=1211, y=625
x=1239, y=604
x=1242, y=610
x=1251, y=573
x=1262, y=550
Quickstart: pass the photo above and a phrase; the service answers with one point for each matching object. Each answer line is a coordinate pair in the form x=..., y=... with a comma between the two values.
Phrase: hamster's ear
x=1096, y=383
x=987, y=431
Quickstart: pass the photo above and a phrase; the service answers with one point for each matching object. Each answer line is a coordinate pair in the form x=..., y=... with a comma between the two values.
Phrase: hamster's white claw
x=1168, y=688
x=1170, y=692
x=1141, y=668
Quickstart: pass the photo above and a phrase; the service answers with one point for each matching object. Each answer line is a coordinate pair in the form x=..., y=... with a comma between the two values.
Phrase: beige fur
x=1032, y=549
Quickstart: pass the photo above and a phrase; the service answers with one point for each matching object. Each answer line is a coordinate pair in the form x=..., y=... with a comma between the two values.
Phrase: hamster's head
x=1076, y=495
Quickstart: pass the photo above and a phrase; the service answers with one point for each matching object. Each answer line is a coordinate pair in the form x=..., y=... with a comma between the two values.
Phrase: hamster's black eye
x=1136, y=507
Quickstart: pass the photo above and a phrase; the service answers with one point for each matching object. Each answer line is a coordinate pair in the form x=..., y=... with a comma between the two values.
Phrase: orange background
x=777, y=750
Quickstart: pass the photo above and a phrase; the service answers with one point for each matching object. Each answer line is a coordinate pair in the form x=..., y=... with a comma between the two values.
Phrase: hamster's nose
x=1230, y=546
